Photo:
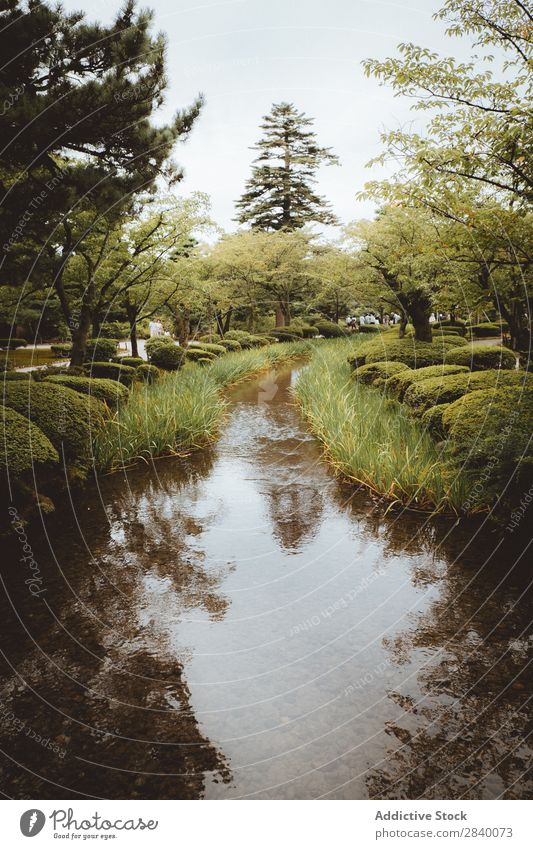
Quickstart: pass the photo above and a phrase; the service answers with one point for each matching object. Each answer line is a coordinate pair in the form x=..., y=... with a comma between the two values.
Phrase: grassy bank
x=184, y=409
x=372, y=440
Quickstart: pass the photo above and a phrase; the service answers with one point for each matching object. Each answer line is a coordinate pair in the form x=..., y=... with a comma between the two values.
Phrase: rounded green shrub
x=230, y=344
x=288, y=333
x=449, y=323
x=482, y=358
x=202, y=361
x=167, y=357
x=373, y=373
x=432, y=420
x=492, y=431
x=147, y=372
x=111, y=392
x=397, y=384
x=13, y=343
x=100, y=350
x=442, y=390
x=244, y=339
x=113, y=371
x=62, y=349
x=129, y=361
x=16, y=375
x=213, y=348
x=329, y=329
x=66, y=417
x=24, y=445
x=408, y=351
x=487, y=328
x=369, y=328
x=157, y=342
x=196, y=354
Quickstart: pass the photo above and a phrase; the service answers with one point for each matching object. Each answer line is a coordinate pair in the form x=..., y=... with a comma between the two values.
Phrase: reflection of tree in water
x=295, y=511
x=465, y=720
x=111, y=704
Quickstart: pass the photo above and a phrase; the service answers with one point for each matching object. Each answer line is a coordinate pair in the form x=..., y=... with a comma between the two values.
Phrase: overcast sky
x=246, y=54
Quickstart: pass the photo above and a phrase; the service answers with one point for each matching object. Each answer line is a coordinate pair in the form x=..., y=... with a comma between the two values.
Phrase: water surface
x=239, y=624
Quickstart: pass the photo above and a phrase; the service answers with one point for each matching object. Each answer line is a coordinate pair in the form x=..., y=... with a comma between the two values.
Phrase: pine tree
x=280, y=195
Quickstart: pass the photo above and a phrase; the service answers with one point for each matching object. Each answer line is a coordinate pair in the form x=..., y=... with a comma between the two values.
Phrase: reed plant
x=372, y=440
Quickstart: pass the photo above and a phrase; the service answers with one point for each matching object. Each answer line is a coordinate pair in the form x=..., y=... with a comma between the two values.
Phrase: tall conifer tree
x=280, y=193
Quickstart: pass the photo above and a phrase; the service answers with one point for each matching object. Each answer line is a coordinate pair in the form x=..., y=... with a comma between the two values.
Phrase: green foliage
x=407, y=350
x=129, y=361
x=195, y=354
x=111, y=392
x=67, y=418
x=451, y=324
x=168, y=356
x=213, y=348
x=230, y=344
x=329, y=329
x=112, y=371
x=13, y=343
x=288, y=333
x=377, y=373
x=281, y=196
x=485, y=329
x=397, y=384
x=443, y=390
x=371, y=440
x=16, y=375
x=24, y=445
x=432, y=420
x=115, y=330
x=101, y=349
x=184, y=410
x=62, y=349
x=157, y=342
x=490, y=434
x=483, y=357
x=369, y=328
x=147, y=372
x=245, y=340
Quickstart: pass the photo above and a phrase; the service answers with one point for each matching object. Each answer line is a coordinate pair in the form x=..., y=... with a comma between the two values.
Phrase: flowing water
x=239, y=624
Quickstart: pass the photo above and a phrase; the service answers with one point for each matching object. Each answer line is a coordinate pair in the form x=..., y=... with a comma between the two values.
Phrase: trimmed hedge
x=329, y=329
x=16, y=375
x=147, y=372
x=413, y=354
x=129, y=361
x=113, y=371
x=369, y=328
x=482, y=358
x=101, y=349
x=377, y=373
x=111, y=392
x=213, y=348
x=487, y=328
x=67, y=418
x=13, y=343
x=63, y=349
x=196, y=354
x=244, y=339
x=492, y=432
x=24, y=445
x=432, y=420
x=455, y=324
x=398, y=384
x=288, y=333
x=168, y=357
x=230, y=344
x=442, y=390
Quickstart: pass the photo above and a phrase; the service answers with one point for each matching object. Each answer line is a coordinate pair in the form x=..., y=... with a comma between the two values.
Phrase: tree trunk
x=280, y=316
x=79, y=338
x=519, y=328
x=97, y=324
x=420, y=319
x=403, y=324
x=227, y=322
x=183, y=328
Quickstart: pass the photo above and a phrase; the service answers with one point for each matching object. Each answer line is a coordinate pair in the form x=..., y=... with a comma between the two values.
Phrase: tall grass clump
x=372, y=440
x=182, y=411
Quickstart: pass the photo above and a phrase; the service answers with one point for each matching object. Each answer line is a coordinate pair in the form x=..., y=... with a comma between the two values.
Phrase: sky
x=245, y=55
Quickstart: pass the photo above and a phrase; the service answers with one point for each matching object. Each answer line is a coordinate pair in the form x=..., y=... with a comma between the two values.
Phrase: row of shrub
x=475, y=398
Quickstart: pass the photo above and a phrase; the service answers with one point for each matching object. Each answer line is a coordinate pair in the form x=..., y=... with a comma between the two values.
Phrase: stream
x=238, y=623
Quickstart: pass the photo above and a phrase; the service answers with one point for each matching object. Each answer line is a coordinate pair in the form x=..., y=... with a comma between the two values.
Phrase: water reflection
x=238, y=623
